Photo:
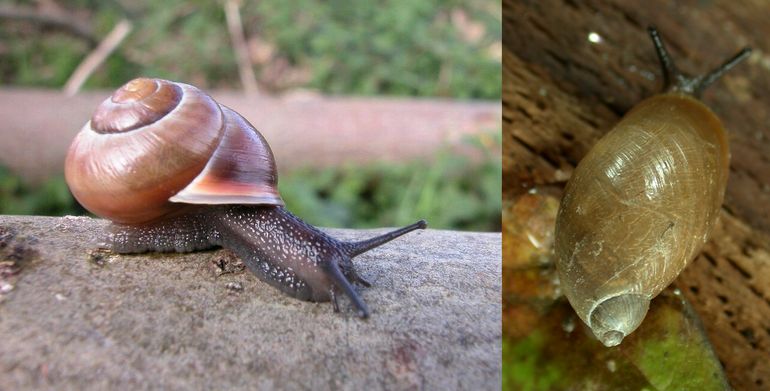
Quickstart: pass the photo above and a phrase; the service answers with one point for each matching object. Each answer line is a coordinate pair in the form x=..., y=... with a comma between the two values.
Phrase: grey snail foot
x=183, y=232
x=276, y=246
x=297, y=258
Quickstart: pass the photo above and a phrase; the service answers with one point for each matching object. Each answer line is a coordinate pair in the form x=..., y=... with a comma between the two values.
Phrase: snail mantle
x=74, y=319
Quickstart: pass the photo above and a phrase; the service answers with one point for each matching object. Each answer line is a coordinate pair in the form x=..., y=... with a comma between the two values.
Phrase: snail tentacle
x=356, y=278
x=334, y=272
x=335, y=304
x=355, y=248
x=670, y=72
x=676, y=81
x=717, y=72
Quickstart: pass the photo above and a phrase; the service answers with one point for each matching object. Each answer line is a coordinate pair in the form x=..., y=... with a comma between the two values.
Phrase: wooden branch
x=38, y=126
x=97, y=57
x=235, y=27
x=58, y=21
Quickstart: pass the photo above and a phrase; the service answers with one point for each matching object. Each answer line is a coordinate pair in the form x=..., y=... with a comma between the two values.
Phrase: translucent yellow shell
x=637, y=209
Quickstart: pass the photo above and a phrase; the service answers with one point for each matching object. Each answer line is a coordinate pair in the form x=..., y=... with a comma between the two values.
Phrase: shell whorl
x=138, y=103
x=154, y=139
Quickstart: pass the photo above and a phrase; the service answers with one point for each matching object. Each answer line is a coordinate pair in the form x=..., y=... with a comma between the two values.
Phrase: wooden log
x=39, y=125
x=74, y=319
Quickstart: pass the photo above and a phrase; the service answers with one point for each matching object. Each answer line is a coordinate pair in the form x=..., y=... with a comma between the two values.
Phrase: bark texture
x=572, y=69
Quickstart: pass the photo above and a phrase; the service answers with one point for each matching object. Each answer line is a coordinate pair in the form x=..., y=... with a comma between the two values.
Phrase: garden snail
x=176, y=171
x=642, y=202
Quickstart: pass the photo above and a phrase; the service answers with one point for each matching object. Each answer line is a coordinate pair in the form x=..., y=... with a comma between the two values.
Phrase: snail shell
x=640, y=205
x=638, y=208
x=154, y=144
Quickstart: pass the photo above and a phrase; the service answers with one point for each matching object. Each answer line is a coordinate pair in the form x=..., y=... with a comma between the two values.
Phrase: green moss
x=525, y=369
x=50, y=198
x=678, y=359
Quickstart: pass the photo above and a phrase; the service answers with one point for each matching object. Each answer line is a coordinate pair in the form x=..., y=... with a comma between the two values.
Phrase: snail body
x=176, y=172
x=641, y=204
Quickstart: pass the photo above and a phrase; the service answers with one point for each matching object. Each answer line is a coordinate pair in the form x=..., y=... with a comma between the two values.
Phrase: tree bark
x=572, y=69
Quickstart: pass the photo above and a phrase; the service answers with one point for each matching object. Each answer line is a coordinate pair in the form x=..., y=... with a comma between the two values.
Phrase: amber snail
x=176, y=171
x=642, y=202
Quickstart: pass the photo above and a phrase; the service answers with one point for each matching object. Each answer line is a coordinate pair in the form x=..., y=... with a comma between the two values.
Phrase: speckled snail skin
x=176, y=171
x=642, y=202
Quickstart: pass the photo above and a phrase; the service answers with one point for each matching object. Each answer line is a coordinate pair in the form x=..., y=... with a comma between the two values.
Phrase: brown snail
x=176, y=171
x=642, y=202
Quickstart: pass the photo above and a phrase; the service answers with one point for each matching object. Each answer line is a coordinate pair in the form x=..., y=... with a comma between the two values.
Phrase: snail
x=643, y=201
x=174, y=171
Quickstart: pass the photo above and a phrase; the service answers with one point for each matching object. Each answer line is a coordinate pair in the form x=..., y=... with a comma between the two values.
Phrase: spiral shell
x=155, y=145
x=638, y=208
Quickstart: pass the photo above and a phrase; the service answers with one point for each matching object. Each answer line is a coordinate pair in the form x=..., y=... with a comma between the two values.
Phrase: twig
x=61, y=22
x=97, y=56
x=235, y=26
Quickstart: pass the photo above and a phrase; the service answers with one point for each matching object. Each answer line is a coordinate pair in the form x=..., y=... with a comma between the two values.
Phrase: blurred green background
x=417, y=48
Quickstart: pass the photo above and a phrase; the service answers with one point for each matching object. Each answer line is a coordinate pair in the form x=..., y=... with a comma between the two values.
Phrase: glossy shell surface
x=637, y=209
x=153, y=140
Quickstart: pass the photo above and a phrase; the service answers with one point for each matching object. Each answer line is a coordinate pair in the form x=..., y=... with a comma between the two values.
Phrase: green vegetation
x=450, y=192
x=445, y=48
x=50, y=198
x=524, y=368
x=400, y=47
